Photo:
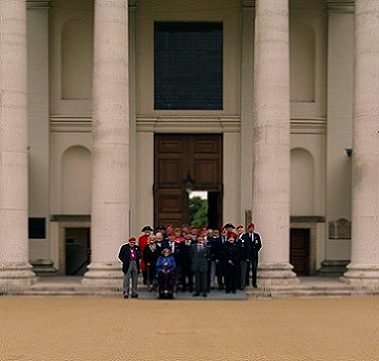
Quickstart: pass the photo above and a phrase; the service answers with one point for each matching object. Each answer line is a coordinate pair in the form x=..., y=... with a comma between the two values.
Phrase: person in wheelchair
x=166, y=268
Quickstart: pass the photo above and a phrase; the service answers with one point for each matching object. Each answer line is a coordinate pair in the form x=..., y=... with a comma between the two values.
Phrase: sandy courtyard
x=105, y=328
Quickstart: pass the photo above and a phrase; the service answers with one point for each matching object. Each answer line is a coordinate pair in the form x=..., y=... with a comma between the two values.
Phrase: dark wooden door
x=300, y=250
x=176, y=155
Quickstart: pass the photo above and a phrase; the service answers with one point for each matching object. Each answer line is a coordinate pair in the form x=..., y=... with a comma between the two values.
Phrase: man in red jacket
x=143, y=241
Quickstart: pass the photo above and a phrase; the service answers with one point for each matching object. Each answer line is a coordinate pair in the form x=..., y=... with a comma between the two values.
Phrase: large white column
x=364, y=266
x=15, y=269
x=271, y=140
x=110, y=179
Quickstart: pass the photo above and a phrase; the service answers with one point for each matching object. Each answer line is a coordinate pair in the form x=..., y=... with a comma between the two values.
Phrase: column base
x=16, y=275
x=43, y=267
x=271, y=274
x=364, y=275
x=103, y=275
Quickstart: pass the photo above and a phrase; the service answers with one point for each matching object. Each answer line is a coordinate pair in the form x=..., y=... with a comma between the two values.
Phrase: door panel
x=176, y=155
x=300, y=250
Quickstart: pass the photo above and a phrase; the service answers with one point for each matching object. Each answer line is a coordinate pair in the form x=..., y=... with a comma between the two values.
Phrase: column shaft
x=15, y=269
x=110, y=188
x=364, y=266
x=271, y=139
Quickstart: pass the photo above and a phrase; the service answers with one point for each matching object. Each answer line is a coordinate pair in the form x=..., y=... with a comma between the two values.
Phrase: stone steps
x=308, y=287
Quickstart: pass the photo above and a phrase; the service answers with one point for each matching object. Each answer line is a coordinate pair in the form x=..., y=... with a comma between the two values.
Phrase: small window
x=37, y=228
x=188, y=66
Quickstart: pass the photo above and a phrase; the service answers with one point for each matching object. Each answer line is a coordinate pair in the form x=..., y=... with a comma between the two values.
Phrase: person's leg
x=254, y=266
x=213, y=274
x=204, y=282
x=190, y=280
x=242, y=282
x=247, y=282
x=227, y=279
x=134, y=280
x=235, y=276
x=197, y=282
x=127, y=280
x=219, y=273
x=125, y=285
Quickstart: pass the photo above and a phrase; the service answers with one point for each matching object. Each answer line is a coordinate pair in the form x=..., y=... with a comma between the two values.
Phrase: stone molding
x=70, y=124
x=38, y=4
x=340, y=6
x=182, y=124
x=179, y=124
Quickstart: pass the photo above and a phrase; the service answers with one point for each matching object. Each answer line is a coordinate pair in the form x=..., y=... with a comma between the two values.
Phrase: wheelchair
x=166, y=285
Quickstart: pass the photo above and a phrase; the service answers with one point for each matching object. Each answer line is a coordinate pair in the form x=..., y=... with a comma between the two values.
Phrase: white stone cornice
x=186, y=124
x=38, y=4
x=60, y=124
x=308, y=126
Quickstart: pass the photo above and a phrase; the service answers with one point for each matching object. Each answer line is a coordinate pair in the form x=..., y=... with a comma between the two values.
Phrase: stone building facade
x=271, y=106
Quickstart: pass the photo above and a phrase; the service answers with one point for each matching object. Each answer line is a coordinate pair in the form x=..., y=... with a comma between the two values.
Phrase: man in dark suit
x=244, y=245
x=255, y=246
x=130, y=256
x=199, y=265
x=185, y=262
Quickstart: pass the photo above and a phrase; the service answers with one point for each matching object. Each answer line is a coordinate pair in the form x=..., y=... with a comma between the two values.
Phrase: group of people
x=191, y=259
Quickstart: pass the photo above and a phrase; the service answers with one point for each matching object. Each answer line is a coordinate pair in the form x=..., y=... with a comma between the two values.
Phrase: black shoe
x=204, y=295
x=196, y=294
x=126, y=296
x=255, y=286
x=134, y=296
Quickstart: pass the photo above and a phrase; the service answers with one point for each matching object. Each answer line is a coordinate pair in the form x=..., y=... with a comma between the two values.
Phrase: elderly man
x=199, y=254
x=130, y=256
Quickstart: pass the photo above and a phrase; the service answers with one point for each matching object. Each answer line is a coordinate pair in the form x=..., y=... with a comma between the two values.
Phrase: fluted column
x=364, y=266
x=15, y=269
x=271, y=140
x=110, y=160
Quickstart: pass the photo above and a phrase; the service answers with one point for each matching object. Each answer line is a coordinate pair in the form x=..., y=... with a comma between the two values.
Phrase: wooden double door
x=176, y=156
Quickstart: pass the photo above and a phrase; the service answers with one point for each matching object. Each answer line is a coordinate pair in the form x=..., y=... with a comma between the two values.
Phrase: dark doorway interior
x=214, y=210
x=300, y=250
x=77, y=251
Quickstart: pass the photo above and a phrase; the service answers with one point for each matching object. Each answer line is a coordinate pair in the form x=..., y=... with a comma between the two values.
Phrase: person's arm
x=121, y=254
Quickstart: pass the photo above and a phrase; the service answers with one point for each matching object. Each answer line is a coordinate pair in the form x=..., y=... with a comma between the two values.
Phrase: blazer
x=199, y=260
x=255, y=244
x=124, y=256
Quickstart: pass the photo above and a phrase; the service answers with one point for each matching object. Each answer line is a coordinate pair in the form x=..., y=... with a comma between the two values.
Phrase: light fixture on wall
x=188, y=183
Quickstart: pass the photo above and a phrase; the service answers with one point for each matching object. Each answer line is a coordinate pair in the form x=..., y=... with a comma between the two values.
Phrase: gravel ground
x=108, y=328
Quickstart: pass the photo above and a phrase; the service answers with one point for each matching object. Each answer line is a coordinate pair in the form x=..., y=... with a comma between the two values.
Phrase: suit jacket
x=124, y=256
x=244, y=245
x=231, y=253
x=199, y=260
x=255, y=244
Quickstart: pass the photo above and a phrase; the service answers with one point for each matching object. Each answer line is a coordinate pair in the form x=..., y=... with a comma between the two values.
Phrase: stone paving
x=70, y=328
